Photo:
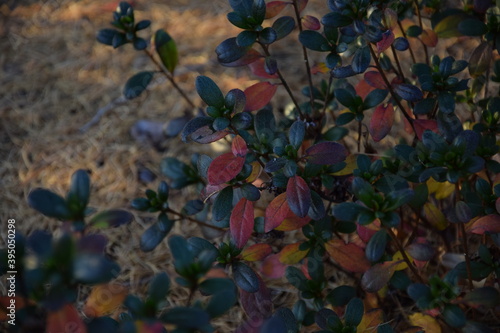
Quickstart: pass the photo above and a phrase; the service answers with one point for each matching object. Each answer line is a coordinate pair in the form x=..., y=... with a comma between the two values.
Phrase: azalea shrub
x=375, y=200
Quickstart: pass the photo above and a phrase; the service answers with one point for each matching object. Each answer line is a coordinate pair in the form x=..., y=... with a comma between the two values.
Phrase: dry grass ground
x=54, y=76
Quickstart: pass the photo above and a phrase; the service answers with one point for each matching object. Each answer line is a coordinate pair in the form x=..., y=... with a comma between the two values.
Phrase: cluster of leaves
x=399, y=229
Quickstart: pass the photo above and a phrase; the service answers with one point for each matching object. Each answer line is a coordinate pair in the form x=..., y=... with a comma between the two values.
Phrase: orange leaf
x=276, y=212
x=144, y=327
x=424, y=124
x=291, y=254
x=426, y=322
x=293, y=222
x=272, y=267
x=349, y=256
x=256, y=170
x=256, y=252
x=104, y=299
x=65, y=319
x=381, y=122
x=429, y=37
x=259, y=95
x=302, y=4
x=273, y=8
x=224, y=168
x=489, y=223
x=371, y=320
x=378, y=276
x=241, y=222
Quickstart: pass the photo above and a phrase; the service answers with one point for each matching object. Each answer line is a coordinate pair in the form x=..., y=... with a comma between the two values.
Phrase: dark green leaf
x=446, y=102
x=345, y=97
x=246, y=38
x=341, y=295
x=245, y=277
x=187, y=318
x=159, y=287
x=111, y=218
x=317, y=210
x=229, y=51
x=209, y=92
x=137, y=84
x=250, y=192
x=140, y=44
x=361, y=59
x=181, y=252
x=374, y=98
x=375, y=248
x=414, y=31
x=49, y=204
x=335, y=19
x=223, y=204
x=297, y=133
x=268, y=36
x=283, y=26
x=105, y=36
x=235, y=100
x=335, y=133
x=488, y=297
x=155, y=234
x=142, y=25
x=425, y=106
x=354, y=312
x=454, y=316
x=296, y=278
x=94, y=269
x=408, y=92
x=472, y=27
x=221, y=302
x=192, y=207
x=345, y=118
x=313, y=40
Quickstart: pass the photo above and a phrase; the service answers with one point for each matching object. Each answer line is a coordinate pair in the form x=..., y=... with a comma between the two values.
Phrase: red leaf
x=273, y=8
x=272, y=267
x=257, y=305
x=210, y=190
x=293, y=222
x=258, y=69
x=276, y=212
x=256, y=252
x=424, y=124
x=298, y=196
x=325, y=153
x=375, y=80
x=381, y=122
x=259, y=95
x=291, y=254
x=67, y=316
x=363, y=88
x=378, y=276
x=429, y=37
x=349, y=256
x=489, y=223
x=224, y=168
x=385, y=43
x=302, y=4
x=206, y=134
x=239, y=146
x=241, y=222
x=310, y=22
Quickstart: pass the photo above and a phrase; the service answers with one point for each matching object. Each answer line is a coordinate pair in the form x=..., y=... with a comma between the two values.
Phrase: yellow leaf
x=104, y=299
x=402, y=265
x=371, y=320
x=435, y=216
x=256, y=170
x=440, y=190
x=291, y=254
x=426, y=322
x=349, y=168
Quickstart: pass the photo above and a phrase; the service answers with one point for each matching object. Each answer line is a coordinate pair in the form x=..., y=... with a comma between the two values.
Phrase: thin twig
x=421, y=27
x=306, y=59
x=405, y=256
x=171, y=211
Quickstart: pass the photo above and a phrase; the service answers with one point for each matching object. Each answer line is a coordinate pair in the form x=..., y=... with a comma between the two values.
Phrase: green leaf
x=354, y=312
x=159, y=287
x=374, y=98
x=296, y=278
x=246, y=38
x=335, y=133
x=488, y=297
x=167, y=50
x=181, y=252
x=472, y=27
x=283, y=26
x=221, y=302
x=375, y=248
x=209, y=92
x=297, y=133
x=94, y=269
x=341, y=295
x=153, y=236
x=268, y=35
x=111, y=218
x=454, y=316
x=192, y=207
x=345, y=97
x=245, y=277
x=187, y=318
x=137, y=84
x=414, y=31
x=49, y=204
x=335, y=19
x=313, y=40
x=105, y=36
x=361, y=59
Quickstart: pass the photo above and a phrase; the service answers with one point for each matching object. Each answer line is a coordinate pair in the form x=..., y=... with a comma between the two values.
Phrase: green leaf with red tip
x=224, y=168
x=298, y=196
x=241, y=222
x=258, y=95
x=276, y=212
